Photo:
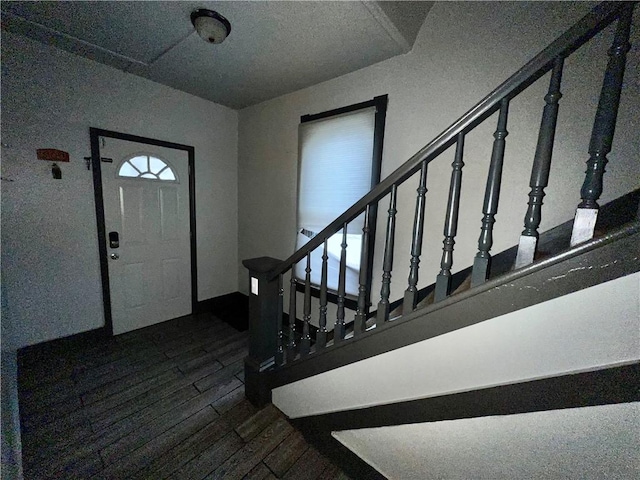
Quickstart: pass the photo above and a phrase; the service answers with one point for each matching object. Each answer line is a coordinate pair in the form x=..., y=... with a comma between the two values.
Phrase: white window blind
x=335, y=167
x=336, y=156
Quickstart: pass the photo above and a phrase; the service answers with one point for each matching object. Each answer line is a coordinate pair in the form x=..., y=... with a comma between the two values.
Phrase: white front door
x=146, y=211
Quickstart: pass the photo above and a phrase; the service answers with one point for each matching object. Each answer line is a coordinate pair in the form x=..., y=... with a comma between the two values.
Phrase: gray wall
x=50, y=263
x=463, y=51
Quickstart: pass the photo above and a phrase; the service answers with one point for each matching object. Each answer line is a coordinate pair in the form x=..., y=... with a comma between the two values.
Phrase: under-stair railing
x=267, y=343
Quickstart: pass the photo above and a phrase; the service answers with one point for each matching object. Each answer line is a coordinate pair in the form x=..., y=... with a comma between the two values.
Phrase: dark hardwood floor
x=166, y=401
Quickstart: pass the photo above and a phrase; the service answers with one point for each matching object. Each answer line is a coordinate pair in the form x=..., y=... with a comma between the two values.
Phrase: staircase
x=526, y=358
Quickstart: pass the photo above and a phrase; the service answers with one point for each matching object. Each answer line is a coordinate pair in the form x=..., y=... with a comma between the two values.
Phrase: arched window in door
x=146, y=166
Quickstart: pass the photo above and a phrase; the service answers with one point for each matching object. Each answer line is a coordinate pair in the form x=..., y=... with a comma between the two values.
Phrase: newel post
x=264, y=309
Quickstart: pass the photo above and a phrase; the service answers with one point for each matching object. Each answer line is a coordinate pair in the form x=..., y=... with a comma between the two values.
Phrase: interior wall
x=50, y=263
x=463, y=51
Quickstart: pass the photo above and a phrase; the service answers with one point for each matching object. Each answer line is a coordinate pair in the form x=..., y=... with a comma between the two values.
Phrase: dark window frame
x=380, y=103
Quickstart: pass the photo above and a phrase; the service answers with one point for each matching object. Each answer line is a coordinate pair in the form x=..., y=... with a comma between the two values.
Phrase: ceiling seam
x=168, y=49
x=387, y=24
x=66, y=36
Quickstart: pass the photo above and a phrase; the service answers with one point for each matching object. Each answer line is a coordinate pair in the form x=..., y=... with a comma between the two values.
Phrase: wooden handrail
x=589, y=26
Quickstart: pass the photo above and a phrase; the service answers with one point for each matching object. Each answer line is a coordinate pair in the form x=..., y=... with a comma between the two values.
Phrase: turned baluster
x=604, y=127
x=382, y=314
x=411, y=294
x=291, y=347
x=305, y=342
x=338, y=329
x=360, y=321
x=482, y=261
x=321, y=336
x=280, y=341
x=443, y=280
x=541, y=167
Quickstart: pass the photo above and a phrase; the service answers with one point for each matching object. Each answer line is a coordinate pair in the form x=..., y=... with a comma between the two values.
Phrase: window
x=146, y=166
x=339, y=162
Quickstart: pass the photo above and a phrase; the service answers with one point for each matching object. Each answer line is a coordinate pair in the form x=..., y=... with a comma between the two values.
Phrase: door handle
x=114, y=256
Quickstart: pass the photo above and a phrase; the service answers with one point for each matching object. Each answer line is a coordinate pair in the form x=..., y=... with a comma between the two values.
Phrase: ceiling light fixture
x=210, y=25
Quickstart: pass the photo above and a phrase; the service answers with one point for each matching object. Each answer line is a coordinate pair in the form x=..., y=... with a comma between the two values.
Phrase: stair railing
x=267, y=345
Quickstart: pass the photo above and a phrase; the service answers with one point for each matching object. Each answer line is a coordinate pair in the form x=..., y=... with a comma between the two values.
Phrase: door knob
x=114, y=256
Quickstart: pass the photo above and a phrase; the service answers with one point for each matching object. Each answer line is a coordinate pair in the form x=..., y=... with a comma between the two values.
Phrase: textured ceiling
x=274, y=47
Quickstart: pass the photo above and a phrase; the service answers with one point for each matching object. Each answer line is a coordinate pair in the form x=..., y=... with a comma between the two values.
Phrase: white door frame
x=95, y=134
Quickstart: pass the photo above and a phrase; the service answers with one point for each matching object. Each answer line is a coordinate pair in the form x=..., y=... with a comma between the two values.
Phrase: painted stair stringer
x=593, y=326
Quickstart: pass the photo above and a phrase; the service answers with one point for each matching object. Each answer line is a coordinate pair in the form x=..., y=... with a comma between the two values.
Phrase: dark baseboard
x=232, y=308
x=35, y=353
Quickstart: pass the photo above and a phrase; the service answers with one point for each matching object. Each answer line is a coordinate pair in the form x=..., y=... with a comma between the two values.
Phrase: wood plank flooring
x=162, y=402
